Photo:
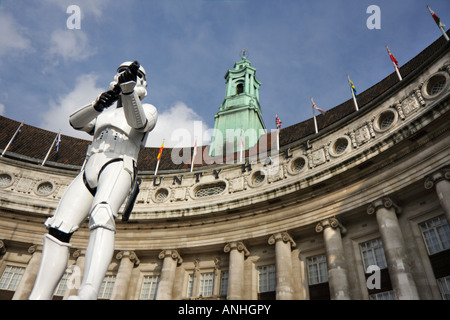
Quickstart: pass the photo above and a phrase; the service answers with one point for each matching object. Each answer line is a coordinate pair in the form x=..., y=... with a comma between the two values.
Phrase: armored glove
x=105, y=100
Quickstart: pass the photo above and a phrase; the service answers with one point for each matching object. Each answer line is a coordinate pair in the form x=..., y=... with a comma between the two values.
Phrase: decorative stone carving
x=130, y=255
x=238, y=245
x=385, y=202
x=330, y=222
x=282, y=236
x=172, y=253
x=439, y=175
x=398, y=106
x=409, y=105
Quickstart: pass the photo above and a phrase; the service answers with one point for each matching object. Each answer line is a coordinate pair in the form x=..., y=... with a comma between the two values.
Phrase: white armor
x=100, y=188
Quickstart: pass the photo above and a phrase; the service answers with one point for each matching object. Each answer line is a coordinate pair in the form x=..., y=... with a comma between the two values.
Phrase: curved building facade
x=359, y=210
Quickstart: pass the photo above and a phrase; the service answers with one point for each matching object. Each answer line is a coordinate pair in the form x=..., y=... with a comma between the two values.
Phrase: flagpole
x=156, y=169
x=12, y=139
x=314, y=115
x=50, y=149
x=439, y=24
x=353, y=94
x=159, y=157
x=395, y=65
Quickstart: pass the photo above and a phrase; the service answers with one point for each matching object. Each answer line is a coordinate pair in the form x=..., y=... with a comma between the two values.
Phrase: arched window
x=239, y=88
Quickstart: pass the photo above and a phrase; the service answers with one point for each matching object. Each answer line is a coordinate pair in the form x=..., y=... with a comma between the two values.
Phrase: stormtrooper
x=103, y=184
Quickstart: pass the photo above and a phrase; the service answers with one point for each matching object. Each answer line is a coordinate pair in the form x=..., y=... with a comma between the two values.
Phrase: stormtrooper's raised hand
x=105, y=100
x=128, y=77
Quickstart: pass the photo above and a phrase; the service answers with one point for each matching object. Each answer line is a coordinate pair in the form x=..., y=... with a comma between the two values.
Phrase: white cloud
x=179, y=127
x=11, y=35
x=70, y=45
x=2, y=109
x=57, y=117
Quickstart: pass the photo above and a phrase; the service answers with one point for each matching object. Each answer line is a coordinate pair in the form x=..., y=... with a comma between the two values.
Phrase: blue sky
x=299, y=49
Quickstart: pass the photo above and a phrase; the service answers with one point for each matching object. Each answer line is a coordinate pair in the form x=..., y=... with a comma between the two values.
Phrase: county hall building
x=359, y=209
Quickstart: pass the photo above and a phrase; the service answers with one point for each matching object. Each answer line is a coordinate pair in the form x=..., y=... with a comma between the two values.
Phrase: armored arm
x=84, y=118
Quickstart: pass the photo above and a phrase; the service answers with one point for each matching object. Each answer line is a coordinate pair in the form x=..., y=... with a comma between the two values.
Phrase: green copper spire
x=240, y=113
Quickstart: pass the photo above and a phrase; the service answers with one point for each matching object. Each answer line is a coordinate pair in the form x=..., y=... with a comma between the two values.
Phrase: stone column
x=170, y=260
x=76, y=273
x=394, y=247
x=283, y=264
x=337, y=268
x=441, y=181
x=26, y=284
x=238, y=252
x=128, y=260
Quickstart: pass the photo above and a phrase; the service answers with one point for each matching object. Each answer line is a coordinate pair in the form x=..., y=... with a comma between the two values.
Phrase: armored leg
x=55, y=251
x=113, y=187
x=55, y=255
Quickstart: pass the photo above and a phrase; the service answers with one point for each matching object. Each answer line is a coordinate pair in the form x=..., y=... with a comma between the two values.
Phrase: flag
x=316, y=107
x=160, y=151
x=58, y=142
x=277, y=121
x=352, y=86
x=354, y=95
x=394, y=61
x=436, y=18
x=159, y=157
x=55, y=143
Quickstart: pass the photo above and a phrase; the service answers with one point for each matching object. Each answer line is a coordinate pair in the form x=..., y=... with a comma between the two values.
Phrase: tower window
x=239, y=88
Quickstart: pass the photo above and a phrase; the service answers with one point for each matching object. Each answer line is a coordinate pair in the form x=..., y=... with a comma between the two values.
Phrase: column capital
x=384, y=202
x=130, y=255
x=238, y=245
x=35, y=247
x=2, y=248
x=330, y=223
x=174, y=254
x=282, y=236
x=439, y=175
x=78, y=252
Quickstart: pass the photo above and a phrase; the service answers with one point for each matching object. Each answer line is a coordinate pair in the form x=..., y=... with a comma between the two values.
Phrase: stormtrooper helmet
x=141, y=82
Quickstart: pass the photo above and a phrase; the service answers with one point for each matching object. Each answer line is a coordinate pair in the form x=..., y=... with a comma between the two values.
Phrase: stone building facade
x=359, y=211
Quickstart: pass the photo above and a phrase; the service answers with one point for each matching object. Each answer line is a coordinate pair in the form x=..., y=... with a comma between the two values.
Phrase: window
x=340, y=146
x=239, y=88
x=190, y=286
x=5, y=180
x=444, y=287
x=386, y=295
x=11, y=277
x=317, y=269
x=210, y=190
x=386, y=120
x=436, y=84
x=206, y=284
x=106, y=288
x=373, y=254
x=436, y=234
x=266, y=278
x=149, y=287
x=223, y=283
x=62, y=285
